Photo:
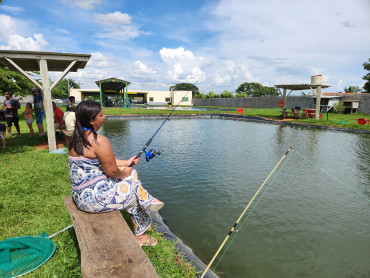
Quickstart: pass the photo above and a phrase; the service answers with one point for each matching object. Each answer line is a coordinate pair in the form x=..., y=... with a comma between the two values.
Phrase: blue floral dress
x=93, y=191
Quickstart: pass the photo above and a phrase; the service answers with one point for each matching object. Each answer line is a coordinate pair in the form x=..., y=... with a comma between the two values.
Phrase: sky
x=215, y=44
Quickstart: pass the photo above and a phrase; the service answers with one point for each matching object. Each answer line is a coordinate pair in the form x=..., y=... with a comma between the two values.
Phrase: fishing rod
x=246, y=208
x=151, y=153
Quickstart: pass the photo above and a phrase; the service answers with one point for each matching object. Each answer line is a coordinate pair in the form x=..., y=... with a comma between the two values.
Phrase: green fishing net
x=20, y=255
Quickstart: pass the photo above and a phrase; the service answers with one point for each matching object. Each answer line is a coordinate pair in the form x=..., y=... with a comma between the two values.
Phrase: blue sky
x=216, y=45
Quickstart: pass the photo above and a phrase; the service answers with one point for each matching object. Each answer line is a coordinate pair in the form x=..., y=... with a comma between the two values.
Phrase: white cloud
x=8, y=25
x=63, y=31
x=231, y=73
x=84, y=4
x=16, y=42
x=182, y=65
x=112, y=18
x=293, y=39
x=117, y=26
x=141, y=70
x=120, y=33
x=10, y=9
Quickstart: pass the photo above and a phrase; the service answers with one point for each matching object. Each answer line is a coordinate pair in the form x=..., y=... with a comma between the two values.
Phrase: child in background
x=28, y=116
x=2, y=133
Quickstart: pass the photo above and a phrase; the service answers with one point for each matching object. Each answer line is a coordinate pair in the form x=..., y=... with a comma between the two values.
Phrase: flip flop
x=155, y=206
x=149, y=242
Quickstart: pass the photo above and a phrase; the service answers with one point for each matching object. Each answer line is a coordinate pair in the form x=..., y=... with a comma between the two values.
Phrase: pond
x=186, y=108
x=309, y=223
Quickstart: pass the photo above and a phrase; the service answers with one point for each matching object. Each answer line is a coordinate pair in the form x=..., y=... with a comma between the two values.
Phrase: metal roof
x=112, y=84
x=28, y=60
x=296, y=87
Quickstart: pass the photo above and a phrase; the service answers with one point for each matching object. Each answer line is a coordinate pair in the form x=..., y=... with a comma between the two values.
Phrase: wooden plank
x=108, y=246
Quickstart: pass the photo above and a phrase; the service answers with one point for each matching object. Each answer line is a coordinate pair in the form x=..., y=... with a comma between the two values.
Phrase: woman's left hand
x=133, y=159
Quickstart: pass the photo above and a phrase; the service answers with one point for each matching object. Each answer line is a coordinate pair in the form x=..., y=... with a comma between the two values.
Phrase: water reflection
x=306, y=225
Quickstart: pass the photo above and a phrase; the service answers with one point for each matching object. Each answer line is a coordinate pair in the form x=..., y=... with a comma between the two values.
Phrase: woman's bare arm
x=104, y=152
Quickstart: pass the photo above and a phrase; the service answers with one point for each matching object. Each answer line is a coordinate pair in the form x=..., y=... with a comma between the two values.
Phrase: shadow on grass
x=22, y=143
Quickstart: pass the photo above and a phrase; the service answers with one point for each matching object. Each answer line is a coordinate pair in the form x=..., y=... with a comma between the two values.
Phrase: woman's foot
x=155, y=205
x=145, y=240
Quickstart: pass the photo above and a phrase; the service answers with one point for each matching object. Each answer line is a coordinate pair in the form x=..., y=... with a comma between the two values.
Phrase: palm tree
x=352, y=89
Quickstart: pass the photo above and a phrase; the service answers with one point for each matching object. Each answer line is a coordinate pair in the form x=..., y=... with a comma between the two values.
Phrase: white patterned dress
x=93, y=191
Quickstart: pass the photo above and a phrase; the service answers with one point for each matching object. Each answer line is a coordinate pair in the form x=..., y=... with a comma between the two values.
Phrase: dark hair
x=35, y=90
x=9, y=93
x=29, y=103
x=85, y=112
x=71, y=97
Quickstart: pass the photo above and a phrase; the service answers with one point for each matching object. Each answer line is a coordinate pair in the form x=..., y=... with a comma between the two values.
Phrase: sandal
x=149, y=242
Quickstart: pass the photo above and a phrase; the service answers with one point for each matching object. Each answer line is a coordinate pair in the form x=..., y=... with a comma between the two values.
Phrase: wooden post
x=48, y=105
x=318, y=102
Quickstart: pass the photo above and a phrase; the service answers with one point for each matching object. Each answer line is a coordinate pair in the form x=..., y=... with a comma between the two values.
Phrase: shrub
x=338, y=107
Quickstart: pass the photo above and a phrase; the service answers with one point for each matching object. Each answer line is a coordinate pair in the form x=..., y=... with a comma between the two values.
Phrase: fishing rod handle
x=136, y=156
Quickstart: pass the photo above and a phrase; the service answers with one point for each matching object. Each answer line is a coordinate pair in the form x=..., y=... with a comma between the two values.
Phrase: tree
x=253, y=89
x=367, y=77
x=352, y=89
x=15, y=82
x=211, y=95
x=186, y=87
x=226, y=94
x=61, y=89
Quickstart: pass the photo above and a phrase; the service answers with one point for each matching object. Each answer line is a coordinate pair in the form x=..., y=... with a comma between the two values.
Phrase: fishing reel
x=150, y=154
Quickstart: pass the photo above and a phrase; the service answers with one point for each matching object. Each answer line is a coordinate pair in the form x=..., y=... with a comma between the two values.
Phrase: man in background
x=71, y=106
x=11, y=106
x=69, y=119
x=38, y=108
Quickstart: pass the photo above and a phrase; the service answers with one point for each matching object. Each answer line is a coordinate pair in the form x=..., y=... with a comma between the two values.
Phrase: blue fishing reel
x=150, y=154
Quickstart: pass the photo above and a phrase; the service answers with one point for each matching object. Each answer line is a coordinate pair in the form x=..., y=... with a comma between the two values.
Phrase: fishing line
x=246, y=208
x=333, y=176
x=258, y=201
x=149, y=154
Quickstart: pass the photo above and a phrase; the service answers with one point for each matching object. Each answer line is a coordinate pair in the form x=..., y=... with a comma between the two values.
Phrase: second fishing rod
x=150, y=154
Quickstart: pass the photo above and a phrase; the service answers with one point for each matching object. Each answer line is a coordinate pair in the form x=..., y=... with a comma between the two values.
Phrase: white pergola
x=316, y=88
x=44, y=62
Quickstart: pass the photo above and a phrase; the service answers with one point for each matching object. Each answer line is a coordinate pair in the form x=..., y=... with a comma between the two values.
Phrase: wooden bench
x=108, y=246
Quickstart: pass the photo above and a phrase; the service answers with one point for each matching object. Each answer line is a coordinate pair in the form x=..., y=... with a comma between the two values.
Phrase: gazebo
x=44, y=62
x=315, y=86
x=116, y=86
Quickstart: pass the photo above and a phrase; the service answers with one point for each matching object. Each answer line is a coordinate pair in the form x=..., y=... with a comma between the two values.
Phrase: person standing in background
x=39, y=110
x=71, y=106
x=58, y=117
x=28, y=116
x=11, y=106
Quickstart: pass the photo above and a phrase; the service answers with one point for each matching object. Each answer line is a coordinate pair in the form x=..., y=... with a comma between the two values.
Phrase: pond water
x=309, y=223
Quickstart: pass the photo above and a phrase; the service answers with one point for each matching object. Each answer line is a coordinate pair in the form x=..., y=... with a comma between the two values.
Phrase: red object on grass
x=240, y=110
x=362, y=121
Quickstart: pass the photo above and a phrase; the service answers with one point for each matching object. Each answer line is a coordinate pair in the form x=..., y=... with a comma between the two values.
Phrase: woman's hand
x=133, y=159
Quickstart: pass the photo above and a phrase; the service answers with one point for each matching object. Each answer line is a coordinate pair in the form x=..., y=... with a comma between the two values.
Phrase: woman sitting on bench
x=102, y=183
